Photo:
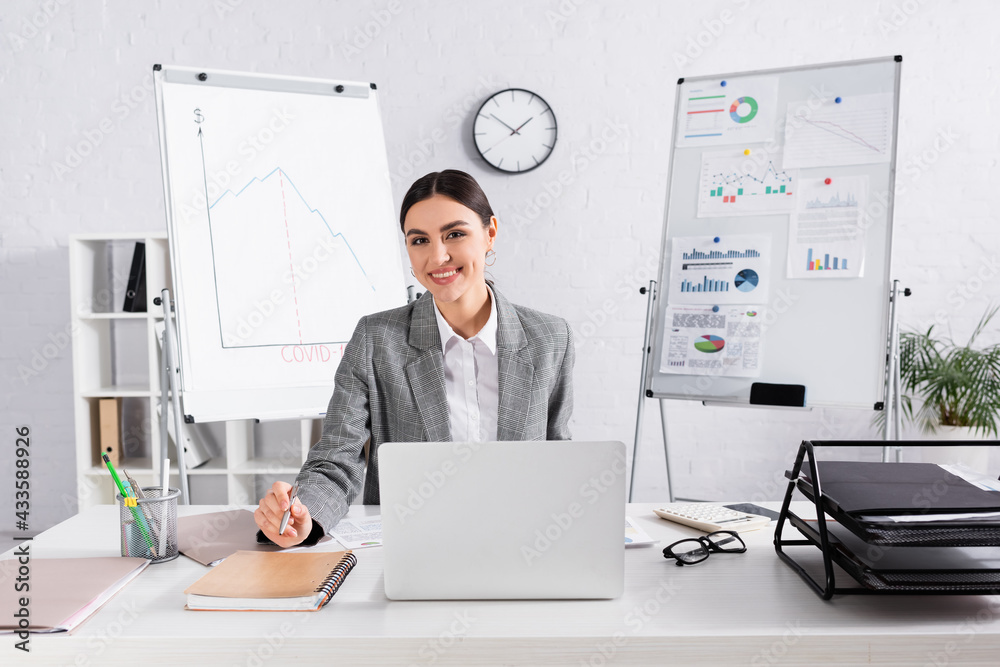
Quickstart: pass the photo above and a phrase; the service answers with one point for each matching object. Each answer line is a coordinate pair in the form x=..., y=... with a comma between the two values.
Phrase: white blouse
x=471, y=379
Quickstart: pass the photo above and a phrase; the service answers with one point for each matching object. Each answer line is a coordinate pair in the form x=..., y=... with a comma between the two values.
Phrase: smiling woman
x=450, y=229
x=461, y=363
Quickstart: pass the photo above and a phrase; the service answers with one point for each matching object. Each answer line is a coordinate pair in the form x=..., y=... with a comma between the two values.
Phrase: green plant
x=946, y=384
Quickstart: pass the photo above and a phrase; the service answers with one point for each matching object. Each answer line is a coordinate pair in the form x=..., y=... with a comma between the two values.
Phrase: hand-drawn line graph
x=292, y=280
x=285, y=176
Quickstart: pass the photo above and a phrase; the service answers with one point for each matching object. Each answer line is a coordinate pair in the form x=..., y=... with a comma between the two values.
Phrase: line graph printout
x=858, y=130
x=826, y=237
x=282, y=229
x=726, y=112
x=724, y=342
x=732, y=183
x=720, y=269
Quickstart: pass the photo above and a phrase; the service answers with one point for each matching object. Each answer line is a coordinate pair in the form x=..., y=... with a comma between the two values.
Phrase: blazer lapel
x=426, y=372
x=516, y=373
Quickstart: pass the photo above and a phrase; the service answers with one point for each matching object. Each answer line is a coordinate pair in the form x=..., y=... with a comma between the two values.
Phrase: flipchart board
x=776, y=249
x=282, y=235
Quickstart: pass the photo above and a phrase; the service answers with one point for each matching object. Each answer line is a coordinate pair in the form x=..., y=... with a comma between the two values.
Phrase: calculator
x=710, y=517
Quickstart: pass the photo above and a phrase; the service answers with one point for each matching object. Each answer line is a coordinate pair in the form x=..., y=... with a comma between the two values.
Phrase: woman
x=461, y=363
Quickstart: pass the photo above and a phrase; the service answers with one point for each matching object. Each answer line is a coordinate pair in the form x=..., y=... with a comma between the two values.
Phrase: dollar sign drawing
x=199, y=117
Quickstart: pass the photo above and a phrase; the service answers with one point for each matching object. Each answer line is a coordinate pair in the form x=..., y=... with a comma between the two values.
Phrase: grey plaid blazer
x=390, y=388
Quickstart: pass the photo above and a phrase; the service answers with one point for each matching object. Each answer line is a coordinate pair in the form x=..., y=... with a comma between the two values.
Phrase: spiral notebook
x=271, y=581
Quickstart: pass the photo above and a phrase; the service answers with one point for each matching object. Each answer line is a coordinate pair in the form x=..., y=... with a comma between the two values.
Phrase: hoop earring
x=491, y=254
x=412, y=273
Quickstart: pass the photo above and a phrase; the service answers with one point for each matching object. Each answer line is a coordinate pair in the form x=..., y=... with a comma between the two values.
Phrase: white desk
x=734, y=609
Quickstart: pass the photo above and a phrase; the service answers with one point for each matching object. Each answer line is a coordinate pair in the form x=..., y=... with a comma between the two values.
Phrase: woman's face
x=447, y=245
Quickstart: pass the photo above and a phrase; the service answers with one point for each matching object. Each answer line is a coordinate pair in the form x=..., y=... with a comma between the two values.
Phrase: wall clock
x=514, y=130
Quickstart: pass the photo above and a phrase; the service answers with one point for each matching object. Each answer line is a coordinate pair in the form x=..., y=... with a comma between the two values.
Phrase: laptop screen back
x=503, y=520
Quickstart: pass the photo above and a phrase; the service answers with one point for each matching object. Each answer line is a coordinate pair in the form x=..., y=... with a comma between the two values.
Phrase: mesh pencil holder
x=148, y=526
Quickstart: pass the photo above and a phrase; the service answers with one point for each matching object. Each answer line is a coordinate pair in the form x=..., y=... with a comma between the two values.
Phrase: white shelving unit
x=99, y=267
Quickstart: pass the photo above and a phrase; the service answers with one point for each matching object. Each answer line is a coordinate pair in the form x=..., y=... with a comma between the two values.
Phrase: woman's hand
x=270, y=510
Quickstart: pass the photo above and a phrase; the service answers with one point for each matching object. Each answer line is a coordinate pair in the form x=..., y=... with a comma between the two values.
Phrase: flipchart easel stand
x=170, y=394
x=893, y=405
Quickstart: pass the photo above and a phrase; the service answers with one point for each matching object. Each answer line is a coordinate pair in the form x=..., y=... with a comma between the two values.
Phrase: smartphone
x=750, y=508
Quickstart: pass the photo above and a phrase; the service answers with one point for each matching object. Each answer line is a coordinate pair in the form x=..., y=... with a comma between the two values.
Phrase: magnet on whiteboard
x=715, y=309
x=828, y=180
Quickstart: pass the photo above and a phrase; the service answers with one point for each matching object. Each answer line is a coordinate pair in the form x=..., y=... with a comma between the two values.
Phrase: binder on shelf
x=109, y=412
x=933, y=522
x=271, y=581
x=135, y=290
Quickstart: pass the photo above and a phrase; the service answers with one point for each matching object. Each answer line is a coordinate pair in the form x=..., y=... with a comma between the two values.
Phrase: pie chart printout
x=746, y=280
x=709, y=343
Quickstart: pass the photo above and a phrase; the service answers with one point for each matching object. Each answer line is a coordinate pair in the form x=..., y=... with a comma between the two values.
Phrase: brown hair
x=453, y=184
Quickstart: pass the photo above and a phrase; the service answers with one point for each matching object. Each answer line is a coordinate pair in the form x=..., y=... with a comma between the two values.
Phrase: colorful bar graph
x=839, y=263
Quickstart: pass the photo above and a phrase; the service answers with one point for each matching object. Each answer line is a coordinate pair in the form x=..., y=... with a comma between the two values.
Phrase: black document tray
x=928, y=557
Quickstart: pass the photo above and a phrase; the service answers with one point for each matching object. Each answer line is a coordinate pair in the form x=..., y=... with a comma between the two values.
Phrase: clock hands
x=512, y=130
x=523, y=124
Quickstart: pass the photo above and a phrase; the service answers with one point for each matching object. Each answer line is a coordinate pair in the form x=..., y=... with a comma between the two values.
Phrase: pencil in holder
x=148, y=525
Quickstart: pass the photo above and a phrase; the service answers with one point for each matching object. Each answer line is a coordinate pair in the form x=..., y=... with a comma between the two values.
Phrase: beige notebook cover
x=271, y=580
x=209, y=537
x=63, y=591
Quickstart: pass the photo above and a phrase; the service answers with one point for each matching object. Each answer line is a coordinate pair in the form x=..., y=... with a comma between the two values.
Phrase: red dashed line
x=291, y=265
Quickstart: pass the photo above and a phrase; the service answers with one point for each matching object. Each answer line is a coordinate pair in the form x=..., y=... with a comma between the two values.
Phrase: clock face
x=515, y=130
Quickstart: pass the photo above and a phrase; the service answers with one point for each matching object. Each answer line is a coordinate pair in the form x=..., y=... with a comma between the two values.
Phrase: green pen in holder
x=151, y=515
x=158, y=515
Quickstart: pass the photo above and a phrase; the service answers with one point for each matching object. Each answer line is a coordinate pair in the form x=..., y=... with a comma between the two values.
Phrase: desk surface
x=733, y=609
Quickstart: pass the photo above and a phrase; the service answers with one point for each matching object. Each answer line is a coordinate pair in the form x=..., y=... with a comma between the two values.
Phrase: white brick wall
x=75, y=76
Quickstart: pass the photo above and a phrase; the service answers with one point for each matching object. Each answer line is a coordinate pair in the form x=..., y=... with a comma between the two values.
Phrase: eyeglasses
x=697, y=549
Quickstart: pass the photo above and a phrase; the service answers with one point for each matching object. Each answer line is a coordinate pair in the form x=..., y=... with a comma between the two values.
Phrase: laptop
x=503, y=520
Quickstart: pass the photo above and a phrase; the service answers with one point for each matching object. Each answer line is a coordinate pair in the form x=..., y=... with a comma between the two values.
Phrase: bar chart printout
x=824, y=265
x=722, y=342
x=719, y=269
x=826, y=234
x=732, y=183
